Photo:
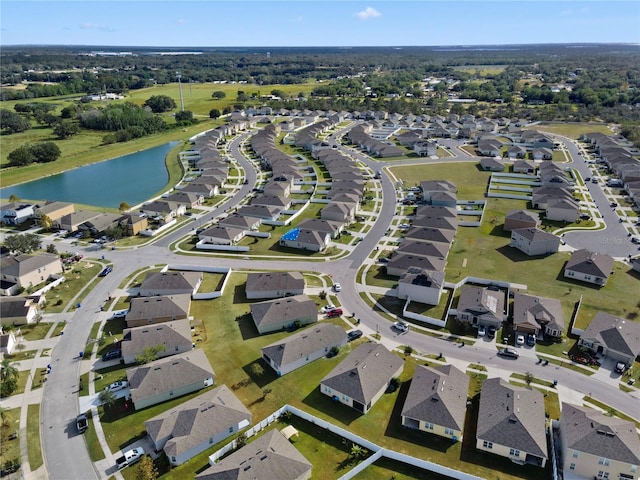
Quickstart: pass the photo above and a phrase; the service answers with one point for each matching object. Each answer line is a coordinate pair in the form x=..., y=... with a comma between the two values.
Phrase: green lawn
x=76, y=279
x=376, y=276
x=34, y=448
x=10, y=447
x=471, y=182
x=93, y=444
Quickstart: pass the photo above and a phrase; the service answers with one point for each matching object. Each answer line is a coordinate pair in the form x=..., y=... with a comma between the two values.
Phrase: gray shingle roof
x=438, y=395
x=19, y=265
x=304, y=343
x=283, y=309
x=534, y=234
x=590, y=263
x=616, y=333
x=537, y=311
x=364, y=372
x=593, y=432
x=481, y=300
x=169, y=373
x=169, y=334
x=269, y=457
x=269, y=281
x=194, y=421
x=162, y=306
x=512, y=416
x=171, y=280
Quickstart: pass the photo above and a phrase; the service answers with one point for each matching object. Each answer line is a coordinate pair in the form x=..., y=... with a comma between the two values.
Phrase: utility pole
x=178, y=76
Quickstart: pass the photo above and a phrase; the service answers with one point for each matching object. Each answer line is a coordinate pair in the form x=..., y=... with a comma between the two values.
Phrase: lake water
x=131, y=178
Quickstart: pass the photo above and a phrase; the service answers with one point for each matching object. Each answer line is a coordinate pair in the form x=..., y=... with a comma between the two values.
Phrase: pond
x=131, y=178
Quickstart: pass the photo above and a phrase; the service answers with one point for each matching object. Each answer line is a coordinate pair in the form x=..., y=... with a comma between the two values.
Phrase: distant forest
x=599, y=82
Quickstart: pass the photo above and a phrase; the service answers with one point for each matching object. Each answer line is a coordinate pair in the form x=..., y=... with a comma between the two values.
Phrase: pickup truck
x=130, y=457
x=82, y=423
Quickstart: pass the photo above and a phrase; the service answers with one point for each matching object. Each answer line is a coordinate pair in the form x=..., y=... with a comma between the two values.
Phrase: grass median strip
x=34, y=448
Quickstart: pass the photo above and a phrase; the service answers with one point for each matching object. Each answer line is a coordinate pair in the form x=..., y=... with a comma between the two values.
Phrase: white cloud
x=96, y=26
x=367, y=13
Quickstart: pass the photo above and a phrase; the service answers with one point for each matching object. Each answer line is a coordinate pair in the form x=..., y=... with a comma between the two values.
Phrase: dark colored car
x=111, y=355
x=508, y=353
x=531, y=340
x=105, y=272
x=491, y=332
x=354, y=335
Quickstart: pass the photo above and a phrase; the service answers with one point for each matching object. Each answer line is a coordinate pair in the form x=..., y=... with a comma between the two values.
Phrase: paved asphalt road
x=65, y=452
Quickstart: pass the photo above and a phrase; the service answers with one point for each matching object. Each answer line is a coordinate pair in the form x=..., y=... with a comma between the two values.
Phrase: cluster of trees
x=8, y=377
x=11, y=122
x=160, y=103
x=125, y=120
x=42, y=152
x=22, y=243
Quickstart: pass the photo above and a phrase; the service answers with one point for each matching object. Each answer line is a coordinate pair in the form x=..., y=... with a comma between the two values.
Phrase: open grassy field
x=470, y=180
x=573, y=130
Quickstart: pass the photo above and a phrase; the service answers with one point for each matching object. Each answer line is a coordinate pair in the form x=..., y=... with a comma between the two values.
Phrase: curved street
x=65, y=453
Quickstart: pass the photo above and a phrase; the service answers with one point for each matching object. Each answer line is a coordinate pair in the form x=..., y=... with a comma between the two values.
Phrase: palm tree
x=8, y=377
x=107, y=398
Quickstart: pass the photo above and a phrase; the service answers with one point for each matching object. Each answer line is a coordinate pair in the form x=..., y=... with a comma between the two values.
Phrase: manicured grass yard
x=471, y=182
x=10, y=448
x=34, y=448
x=76, y=279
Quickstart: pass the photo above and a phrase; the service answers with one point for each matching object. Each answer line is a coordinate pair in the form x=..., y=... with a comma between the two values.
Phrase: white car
x=482, y=331
x=520, y=340
x=404, y=226
x=327, y=308
x=401, y=326
x=117, y=386
x=337, y=287
x=120, y=314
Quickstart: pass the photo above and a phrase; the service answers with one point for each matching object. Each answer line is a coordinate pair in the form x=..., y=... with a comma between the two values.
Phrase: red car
x=334, y=313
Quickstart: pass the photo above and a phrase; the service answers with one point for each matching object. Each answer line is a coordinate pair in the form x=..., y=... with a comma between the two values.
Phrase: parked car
x=120, y=314
x=337, y=287
x=482, y=330
x=585, y=216
x=354, y=335
x=328, y=308
x=336, y=312
x=404, y=226
x=117, y=386
x=613, y=204
x=112, y=354
x=531, y=340
x=621, y=367
x=508, y=353
x=401, y=326
x=594, y=180
x=105, y=272
x=588, y=179
x=384, y=259
x=491, y=333
x=520, y=340
x=82, y=423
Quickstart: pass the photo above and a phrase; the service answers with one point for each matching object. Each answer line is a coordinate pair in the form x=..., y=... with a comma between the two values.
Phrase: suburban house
x=169, y=338
x=16, y=213
x=133, y=224
x=188, y=199
x=339, y=212
x=331, y=227
x=169, y=377
x=27, y=271
x=362, y=378
x=19, y=310
x=7, y=343
x=433, y=221
x=490, y=164
x=306, y=239
x=588, y=266
x=512, y=423
x=72, y=221
x=206, y=190
x=424, y=249
x=423, y=286
x=264, y=212
x=522, y=166
x=612, y=337
x=533, y=315
x=520, y=219
x=430, y=187
x=170, y=282
x=221, y=235
x=149, y=310
x=274, y=315
x=427, y=234
x=100, y=223
x=236, y=221
x=562, y=210
x=533, y=241
x=271, y=456
x=596, y=445
x=437, y=401
x=481, y=306
x=303, y=347
x=274, y=285
x=163, y=210
x=54, y=211
x=197, y=424
x=401, y=263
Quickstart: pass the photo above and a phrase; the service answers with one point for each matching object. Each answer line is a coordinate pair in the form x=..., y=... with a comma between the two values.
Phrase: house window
x=428, y=426
x=176, y=348
x=576, y=454
x=587, y=277
x=603, y=461
x=486, y=444
x=173, y=459
x=514, y=453
x=634, y=468
x=230, y=429
x=602, y=474
x=449, y=431
x=572, y=466
x=327, y=389
x=211, y=441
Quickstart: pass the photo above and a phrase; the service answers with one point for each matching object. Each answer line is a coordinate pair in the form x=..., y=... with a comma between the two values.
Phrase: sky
x=301, y=23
